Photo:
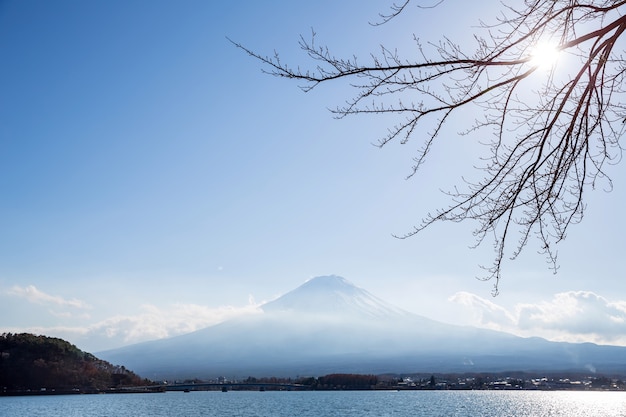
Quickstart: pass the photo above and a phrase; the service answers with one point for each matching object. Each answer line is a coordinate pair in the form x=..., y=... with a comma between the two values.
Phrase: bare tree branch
x=547, y=146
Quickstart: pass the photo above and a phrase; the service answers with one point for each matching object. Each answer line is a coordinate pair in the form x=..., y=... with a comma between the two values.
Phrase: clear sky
x=154, y=181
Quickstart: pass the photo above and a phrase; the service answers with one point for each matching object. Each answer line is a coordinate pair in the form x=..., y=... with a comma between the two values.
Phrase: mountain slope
x=329, y=325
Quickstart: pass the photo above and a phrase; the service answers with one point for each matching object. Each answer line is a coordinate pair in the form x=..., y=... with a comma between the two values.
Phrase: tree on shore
x=547, y=145
x=32, y=362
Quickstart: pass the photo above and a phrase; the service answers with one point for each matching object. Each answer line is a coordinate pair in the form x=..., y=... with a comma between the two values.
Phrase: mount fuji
x=328, y=325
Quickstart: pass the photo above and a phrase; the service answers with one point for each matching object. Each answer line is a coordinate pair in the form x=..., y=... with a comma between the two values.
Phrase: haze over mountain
x=329, y=325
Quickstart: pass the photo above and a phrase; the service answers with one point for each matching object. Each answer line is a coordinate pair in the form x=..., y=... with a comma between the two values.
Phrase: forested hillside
x=40, y=363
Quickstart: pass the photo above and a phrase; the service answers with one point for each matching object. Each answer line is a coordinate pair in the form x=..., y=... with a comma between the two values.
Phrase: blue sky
x=153, y=181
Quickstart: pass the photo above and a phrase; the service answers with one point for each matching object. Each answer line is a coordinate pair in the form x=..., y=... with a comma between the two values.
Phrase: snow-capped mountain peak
x=333, y=295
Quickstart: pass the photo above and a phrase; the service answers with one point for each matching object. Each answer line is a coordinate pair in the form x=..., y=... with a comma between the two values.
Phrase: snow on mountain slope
x=336, y=296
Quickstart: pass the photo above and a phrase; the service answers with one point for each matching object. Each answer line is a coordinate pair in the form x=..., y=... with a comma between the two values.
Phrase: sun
x=544, y=55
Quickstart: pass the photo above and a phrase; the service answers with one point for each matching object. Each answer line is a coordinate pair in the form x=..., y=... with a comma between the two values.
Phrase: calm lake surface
x=323, y=403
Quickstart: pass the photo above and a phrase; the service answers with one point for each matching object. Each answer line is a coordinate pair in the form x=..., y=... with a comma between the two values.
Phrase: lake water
x=323, y=403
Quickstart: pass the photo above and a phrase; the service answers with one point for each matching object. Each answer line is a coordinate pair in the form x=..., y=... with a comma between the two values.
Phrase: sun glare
x=544, y=55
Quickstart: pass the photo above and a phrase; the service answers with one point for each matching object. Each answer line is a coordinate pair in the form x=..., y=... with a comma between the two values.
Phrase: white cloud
x=578, y=312
x=151, y=323
x=33, y=295
x=573, y=316
x=485, y=312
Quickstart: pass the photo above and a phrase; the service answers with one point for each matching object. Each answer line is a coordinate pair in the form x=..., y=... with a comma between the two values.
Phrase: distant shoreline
x=130, y=390
x=161, y=391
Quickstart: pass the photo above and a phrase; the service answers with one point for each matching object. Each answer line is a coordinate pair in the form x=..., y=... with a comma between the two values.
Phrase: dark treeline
x=43, y=364
x=326, y=382
x=343, y=381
